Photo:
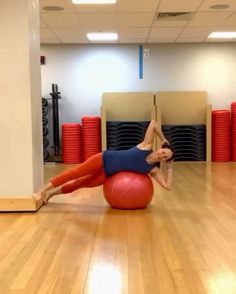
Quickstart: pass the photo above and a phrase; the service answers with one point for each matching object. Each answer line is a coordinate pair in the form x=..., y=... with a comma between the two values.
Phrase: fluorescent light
x=222, y=35
x=102, y=36
x=93, y=1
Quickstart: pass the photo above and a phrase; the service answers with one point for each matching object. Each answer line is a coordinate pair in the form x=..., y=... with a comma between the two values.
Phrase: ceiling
x=136, y=21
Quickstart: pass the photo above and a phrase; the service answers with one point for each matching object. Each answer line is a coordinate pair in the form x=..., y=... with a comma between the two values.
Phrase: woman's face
x=164, y=154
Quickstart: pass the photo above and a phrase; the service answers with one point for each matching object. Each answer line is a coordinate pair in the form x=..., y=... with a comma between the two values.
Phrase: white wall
x=20, y=121
x=84, y=72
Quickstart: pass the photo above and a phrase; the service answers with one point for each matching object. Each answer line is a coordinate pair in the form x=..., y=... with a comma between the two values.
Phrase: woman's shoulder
x=144, y=146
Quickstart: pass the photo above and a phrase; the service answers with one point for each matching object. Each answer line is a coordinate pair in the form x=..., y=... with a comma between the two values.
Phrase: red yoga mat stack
x=91, y=130
x=220, y=135
x=233, y=131
x=71, y=143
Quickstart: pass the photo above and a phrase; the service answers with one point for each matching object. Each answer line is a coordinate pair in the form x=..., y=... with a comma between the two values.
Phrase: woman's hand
x=165, y=141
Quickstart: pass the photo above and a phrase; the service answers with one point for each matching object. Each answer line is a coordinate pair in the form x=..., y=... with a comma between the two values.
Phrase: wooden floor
x=185, y=242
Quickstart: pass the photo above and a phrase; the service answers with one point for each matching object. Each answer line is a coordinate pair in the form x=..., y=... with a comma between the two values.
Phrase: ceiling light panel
x=222, y=35
x=102, y=36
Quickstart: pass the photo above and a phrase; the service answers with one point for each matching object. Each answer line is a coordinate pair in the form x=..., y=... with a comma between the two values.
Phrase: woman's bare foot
x=40, y=195
x=49, y=194
x=38, y=198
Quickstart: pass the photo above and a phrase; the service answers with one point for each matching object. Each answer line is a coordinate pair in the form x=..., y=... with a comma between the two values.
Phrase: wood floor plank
x=183, y=243
x=105, y=273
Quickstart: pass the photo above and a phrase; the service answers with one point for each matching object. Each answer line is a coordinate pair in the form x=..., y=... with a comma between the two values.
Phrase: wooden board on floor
x=18, y=204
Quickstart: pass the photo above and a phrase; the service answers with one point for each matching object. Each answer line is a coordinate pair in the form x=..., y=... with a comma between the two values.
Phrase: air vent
x=53, y=8
x=174, y=16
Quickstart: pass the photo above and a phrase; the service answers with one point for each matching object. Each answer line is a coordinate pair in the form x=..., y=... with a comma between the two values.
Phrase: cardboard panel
x=209, y=133
x=103, y=129
x=182, y=107
x=131, y=106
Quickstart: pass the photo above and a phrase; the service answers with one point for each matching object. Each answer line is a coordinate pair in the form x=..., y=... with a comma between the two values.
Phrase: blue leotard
x=133, y=159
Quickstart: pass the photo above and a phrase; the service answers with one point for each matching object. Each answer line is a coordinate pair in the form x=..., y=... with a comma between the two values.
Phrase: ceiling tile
x=97, y=21
x=74, y=41
x=99, y=8
x=195, y=32
x=94, y=21
x=230, y=21
x=49, y=41
x=164, y=33
x=133, y=33
x=191, y=40
x=179, y=5
x=70, y=34
x=42, y=23
x=133, y=41
x=161, y=40
x=46, y=33
x=137, y=6
x=169, y=23
x=60, y=20
x=135, y=19
x=208, y=18
x=223, y=28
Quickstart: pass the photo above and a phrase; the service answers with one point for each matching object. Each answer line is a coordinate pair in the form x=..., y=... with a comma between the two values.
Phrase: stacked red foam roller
x=220, y=135
x=233, y=131
x=71, y=143
x=91, y=130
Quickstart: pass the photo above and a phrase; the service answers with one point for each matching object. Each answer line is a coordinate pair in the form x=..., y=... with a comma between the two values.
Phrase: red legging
x=86, y=175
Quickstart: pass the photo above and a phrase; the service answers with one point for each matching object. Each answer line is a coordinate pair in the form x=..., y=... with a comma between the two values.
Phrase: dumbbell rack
x=45, y=129
x=54, y=156
x=55, y=115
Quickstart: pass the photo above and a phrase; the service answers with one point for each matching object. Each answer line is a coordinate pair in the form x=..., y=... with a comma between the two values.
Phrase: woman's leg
x=94, y=180
x=90, y=166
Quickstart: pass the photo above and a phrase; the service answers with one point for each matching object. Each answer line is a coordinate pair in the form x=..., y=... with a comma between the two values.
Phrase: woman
x=95, y=170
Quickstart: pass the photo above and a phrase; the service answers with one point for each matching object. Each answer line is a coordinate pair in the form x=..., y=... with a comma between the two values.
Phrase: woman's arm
x=150, y=132
x=159, y=132
x=165, y=180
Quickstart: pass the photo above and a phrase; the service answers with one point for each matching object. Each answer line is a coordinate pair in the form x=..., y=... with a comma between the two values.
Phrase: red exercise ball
x=128, y=190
